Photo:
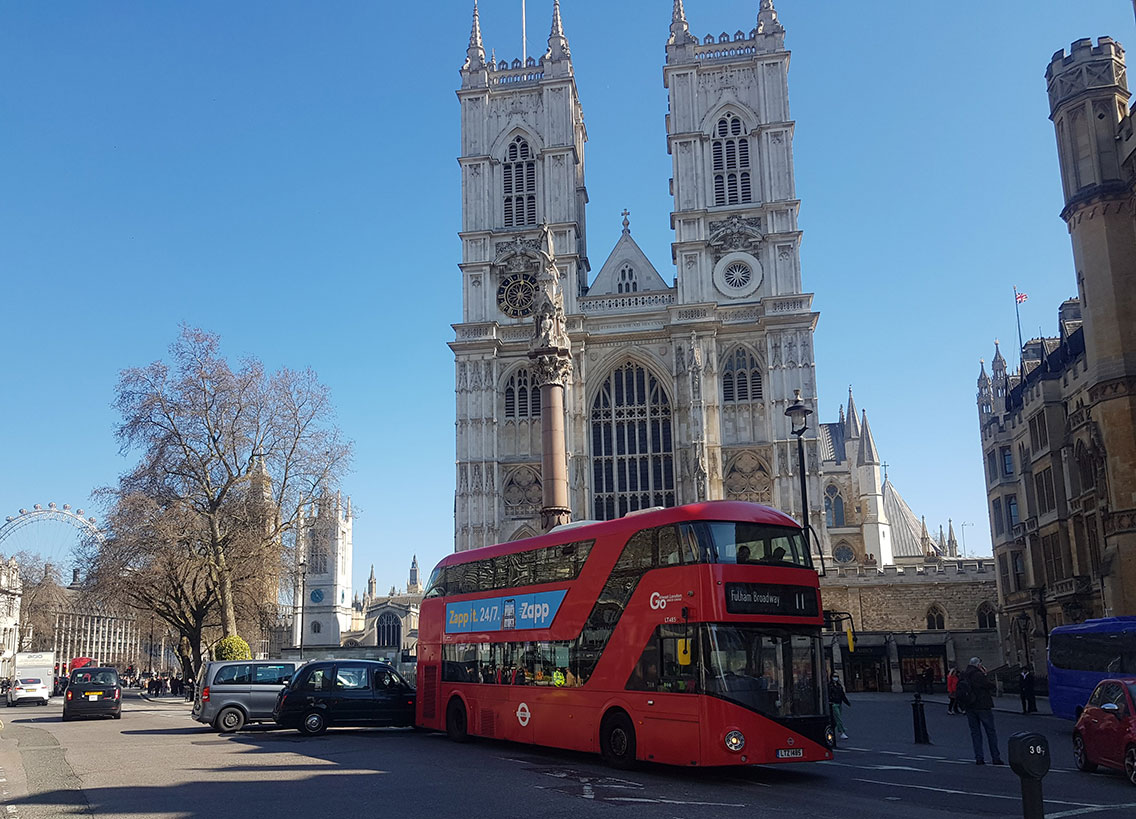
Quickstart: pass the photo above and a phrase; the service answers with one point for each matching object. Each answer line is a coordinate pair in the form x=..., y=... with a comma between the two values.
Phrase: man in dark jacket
x=978, y=699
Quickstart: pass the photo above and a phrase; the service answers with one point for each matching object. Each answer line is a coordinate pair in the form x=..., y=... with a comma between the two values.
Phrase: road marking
x=1098, y=809
x=1014, y=797
x=661, y=801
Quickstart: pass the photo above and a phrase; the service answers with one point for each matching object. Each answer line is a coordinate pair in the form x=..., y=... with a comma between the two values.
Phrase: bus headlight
x=735, y=741
x=830, y=737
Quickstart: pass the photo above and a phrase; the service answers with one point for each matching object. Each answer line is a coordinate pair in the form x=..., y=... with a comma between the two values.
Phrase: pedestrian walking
x=975, y=693
x=953, y=706
x=837, y=699
x=1026, y=689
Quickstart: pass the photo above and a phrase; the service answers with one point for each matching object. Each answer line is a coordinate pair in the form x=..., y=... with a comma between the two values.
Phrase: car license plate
x=790, y=753
x=93, y=696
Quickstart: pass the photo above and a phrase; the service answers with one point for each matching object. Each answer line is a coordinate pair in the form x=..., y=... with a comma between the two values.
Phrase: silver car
x=233, y=693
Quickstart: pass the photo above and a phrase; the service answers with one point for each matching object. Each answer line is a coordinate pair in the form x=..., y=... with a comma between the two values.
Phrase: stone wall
x=894, y=598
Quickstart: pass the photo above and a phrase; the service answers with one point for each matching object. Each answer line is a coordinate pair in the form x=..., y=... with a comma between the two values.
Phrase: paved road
x=156, y=762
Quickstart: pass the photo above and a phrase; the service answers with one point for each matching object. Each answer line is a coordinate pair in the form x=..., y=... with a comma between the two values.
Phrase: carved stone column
x=551, y=355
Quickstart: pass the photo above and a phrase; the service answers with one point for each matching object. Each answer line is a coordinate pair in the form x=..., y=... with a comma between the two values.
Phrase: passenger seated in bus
x=779, y=553
x=743, y=554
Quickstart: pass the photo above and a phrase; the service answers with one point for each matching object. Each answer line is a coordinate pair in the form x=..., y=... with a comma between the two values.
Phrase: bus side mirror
x=684, y=651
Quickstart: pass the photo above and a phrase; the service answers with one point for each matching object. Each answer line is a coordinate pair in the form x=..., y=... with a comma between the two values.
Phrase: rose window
x=737, y=274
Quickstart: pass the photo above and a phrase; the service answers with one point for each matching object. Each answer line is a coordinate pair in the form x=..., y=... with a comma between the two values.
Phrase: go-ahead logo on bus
x=517, y=611
x=659, y=601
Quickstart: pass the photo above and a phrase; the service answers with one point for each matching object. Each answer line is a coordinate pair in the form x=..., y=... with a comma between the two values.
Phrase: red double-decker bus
x=685, y=636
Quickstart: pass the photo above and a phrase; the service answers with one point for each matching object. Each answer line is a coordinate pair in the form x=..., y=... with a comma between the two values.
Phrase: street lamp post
x=798, y=415
x=303, y=599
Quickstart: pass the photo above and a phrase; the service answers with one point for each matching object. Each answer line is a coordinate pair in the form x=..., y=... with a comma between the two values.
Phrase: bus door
x=514, y=712
x=663, y=688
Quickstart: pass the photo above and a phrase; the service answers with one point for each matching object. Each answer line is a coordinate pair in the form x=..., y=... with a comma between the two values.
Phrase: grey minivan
x=235, y=692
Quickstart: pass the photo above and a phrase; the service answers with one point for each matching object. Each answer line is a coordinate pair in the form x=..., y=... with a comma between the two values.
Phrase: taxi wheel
x=230, y=719
x=457, y=723
x=118, y=715
x=617, y=740
x=1080, y=757
x=1130, y=764
x=66, y=717
x=313, y=723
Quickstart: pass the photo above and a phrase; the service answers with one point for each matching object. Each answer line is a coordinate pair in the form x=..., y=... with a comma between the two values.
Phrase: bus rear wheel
x=617, y=740
x=457, y=723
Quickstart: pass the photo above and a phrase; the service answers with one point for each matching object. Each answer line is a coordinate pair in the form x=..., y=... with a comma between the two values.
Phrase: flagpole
x=1021, y=346
x=524, y=38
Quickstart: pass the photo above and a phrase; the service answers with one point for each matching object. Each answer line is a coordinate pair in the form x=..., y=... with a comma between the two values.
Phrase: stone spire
x=952, y=543
x=372, y=585
x=767, y=22
x=983, y=378
x=680, y=31
x=853, y=430
x=867, y=455
x=475, y=54
x=557, y=42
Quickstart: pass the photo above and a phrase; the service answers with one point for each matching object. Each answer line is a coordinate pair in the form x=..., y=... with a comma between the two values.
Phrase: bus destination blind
x=770, y=598
x=506, y=613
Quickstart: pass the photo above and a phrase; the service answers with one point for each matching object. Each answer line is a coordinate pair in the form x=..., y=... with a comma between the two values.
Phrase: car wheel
x=230, y=719
x=1130, y=763
x=1080, y=758
x=617, y=740
x=66, y=717
x=457, y=723
x=313, y=723
x=118, y=715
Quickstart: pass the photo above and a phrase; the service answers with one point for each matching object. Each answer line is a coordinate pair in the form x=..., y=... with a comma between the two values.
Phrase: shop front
x=923, y=669
x=866, y=668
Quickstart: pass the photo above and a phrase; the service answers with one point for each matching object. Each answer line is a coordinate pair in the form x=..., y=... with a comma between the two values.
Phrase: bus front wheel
x=457, y=723
x=617, y=740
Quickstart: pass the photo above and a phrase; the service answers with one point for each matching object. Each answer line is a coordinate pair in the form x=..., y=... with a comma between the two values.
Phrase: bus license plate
x=790, y=753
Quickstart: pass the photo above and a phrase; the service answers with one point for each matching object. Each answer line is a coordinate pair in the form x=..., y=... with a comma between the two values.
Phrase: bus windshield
x=775, y=672
x=757, y=543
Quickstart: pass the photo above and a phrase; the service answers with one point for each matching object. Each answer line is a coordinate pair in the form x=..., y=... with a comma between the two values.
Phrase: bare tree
x=237, y=452
x=42, y=598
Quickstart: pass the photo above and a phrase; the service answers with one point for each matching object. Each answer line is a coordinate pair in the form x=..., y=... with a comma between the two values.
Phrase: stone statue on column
x=551, y=356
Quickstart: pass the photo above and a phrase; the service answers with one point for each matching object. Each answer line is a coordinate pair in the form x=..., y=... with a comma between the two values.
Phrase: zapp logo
x=659, y=601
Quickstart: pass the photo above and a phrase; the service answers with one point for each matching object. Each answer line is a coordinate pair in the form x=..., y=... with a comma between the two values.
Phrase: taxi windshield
x=750, y=543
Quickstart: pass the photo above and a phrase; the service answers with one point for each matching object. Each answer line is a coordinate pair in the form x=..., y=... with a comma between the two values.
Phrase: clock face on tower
x=516, y=295
x=317, y=595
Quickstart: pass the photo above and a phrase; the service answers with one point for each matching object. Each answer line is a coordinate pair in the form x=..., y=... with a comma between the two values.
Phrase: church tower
x=327, y=551
x=737, y=252
x=522, y=167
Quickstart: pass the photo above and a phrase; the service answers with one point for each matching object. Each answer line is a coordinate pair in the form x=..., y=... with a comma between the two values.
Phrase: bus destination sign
x=514, y=611
x=769, y=598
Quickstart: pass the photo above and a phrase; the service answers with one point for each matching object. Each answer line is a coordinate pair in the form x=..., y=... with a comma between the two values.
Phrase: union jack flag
x=1021, y=297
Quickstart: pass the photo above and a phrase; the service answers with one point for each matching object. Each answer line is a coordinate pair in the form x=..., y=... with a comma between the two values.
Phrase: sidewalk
x=167, y=699
x=1007, y=703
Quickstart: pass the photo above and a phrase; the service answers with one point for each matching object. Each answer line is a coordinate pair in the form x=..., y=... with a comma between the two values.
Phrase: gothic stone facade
x=679, y=383
x=1059, y=437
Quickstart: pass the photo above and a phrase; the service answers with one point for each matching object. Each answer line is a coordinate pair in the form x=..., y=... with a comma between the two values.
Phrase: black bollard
x=919, y=721
x=1029, y=759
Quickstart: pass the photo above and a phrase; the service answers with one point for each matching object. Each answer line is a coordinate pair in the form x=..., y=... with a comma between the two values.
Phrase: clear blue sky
x=284, y=174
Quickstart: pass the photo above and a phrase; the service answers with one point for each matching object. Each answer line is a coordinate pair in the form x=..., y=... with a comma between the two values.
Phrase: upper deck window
x=751, y=543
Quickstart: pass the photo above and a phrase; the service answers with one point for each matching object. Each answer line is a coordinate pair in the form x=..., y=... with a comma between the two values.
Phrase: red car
x=1105, y=733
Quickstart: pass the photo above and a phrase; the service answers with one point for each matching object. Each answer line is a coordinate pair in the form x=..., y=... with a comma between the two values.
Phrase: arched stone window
x=987, y=617
x=936, y=620
x=519, y=182
x=317, y=552
x=626, y=281
x=747, y=478
x=316, y=627
x=522, y=397
x=388, y=630
x=741, y=377
x=632, y=447
x=730, y=150
x=833, y=507
x=1085, y=468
